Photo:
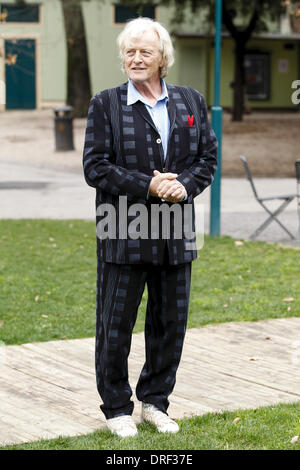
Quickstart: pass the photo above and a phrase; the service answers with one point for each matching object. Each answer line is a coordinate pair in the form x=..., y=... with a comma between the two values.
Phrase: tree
x=78, y=76
x=241, y=18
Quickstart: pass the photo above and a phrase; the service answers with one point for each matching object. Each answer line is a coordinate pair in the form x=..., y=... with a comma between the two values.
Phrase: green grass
x=270, y=427
x=48, y=278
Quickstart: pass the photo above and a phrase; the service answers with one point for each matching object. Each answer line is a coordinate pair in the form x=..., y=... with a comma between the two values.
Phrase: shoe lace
x=125, y=420
x=162, y=417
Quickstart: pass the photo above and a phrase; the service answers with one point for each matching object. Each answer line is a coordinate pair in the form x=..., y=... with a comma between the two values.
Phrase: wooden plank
x=34, y=391
x=42, y=418
x=34, y=423
x=230, y=353
x=256, y=371
x=284, y=328
x=226, y=386
x=50, y=387
x=9, y=434
x=73, y=358
x=231, y=356
x=45, y=368
x=276, y=333
x=274, y=370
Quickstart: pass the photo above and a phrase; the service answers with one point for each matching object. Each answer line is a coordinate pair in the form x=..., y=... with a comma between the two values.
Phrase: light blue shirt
x=158, y=112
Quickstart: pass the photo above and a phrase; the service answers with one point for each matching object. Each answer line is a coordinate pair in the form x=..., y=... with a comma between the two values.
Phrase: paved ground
x=48, y=389
x=37, y=181
x=31, y=191
x=28, y=136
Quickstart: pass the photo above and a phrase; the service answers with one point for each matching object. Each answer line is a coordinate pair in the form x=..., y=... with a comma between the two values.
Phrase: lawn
x=48, y=281
x=271, y=427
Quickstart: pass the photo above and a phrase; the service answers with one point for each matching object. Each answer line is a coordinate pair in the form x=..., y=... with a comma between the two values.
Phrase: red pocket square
x=191, y=120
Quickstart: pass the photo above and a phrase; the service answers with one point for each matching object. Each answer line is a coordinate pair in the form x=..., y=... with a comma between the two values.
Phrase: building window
x=123, y=13
x=26, y=13
x=257, y=76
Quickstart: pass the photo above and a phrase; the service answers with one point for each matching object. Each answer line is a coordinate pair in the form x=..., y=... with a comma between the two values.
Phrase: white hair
x=135, y=28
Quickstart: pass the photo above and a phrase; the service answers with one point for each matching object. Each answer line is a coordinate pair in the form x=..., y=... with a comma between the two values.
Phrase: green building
x=33, y=55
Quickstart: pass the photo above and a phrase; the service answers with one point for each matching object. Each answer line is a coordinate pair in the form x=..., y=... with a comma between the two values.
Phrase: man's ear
x=161, y=60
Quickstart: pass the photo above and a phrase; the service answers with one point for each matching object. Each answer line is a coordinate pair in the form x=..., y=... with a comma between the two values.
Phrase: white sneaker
x=161, y=420
x=123, y=426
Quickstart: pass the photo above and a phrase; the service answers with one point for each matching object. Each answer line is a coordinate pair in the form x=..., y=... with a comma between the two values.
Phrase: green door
x=20, y=74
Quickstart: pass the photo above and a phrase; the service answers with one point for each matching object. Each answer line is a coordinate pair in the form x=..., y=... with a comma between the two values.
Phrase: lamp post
x=216, y=115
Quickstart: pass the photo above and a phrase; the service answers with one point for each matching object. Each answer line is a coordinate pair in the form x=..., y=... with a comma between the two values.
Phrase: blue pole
x=216, y=116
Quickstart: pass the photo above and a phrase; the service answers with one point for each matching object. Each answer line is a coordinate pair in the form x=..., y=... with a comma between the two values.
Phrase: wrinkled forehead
x=143, y=39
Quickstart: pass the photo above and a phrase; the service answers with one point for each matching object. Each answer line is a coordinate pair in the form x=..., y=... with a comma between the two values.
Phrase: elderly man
x=147, y=142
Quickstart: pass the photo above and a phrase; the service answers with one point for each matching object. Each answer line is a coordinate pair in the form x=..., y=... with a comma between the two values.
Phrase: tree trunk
x=240, y=38
x=239, y=84
x=78, y=77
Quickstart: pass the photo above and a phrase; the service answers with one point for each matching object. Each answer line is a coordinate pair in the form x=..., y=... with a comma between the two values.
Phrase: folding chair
x=286, y=198
x=297, y=165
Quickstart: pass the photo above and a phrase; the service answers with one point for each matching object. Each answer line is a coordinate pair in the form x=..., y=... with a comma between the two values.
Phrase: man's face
x=142, y=58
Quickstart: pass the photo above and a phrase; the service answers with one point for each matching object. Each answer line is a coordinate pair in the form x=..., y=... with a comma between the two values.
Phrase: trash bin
x=63, y=128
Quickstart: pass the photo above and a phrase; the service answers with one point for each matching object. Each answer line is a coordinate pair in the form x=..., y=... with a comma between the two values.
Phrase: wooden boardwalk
x=48, y=389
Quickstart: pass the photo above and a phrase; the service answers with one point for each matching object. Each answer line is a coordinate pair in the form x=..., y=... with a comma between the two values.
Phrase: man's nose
x=137, y=57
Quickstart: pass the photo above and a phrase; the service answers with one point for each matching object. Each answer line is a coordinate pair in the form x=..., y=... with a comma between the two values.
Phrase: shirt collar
x=133, y=95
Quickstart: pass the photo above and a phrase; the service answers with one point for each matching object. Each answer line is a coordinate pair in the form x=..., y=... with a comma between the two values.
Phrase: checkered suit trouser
x=119, y=291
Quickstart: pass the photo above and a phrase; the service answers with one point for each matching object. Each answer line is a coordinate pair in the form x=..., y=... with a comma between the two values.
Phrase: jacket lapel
x=172, y=116
x=171, y=106
x=141, y=108
x=144, y=113
x=172, y=112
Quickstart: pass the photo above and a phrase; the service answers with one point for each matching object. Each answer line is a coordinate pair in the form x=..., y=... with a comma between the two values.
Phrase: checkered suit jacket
x=121, y=150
